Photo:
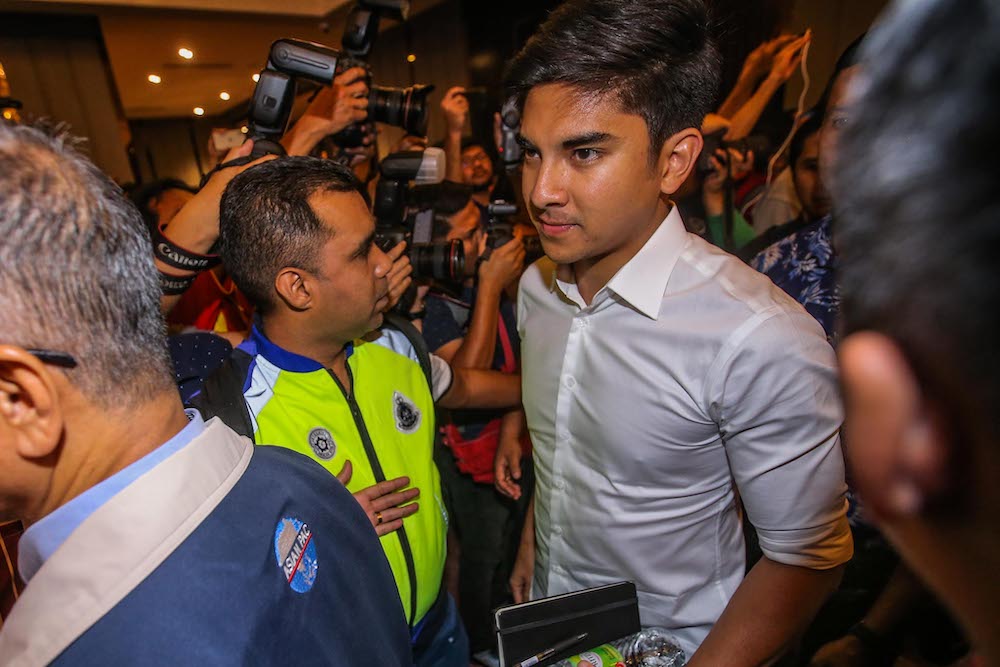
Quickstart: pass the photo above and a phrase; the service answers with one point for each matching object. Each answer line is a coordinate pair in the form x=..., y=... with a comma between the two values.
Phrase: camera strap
x=236, y=162
x=177, y=257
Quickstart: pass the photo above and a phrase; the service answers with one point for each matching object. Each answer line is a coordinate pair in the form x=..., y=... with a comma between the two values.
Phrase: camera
x=396, y=220
x=402, y=107
x=500, y=230
x=760, y=145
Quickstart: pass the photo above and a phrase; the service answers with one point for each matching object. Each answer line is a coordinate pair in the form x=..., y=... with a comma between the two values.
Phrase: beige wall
x=67, y=80
x=835, y=24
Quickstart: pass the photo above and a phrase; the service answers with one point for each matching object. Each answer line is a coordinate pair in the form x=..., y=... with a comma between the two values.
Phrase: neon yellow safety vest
x=384, y=427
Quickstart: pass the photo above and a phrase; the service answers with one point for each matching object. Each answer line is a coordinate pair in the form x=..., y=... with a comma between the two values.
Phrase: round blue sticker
x=295, y=552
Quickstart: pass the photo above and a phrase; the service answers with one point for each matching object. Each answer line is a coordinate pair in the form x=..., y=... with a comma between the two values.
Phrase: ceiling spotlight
x=411, y=58
x=186, y=54
x=154, y=78
x=256, y=78
x=224, y=96
x=198, y=111
x=244, y=129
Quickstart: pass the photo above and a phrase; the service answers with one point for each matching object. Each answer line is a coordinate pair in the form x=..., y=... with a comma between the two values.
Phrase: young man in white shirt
x=663, y=379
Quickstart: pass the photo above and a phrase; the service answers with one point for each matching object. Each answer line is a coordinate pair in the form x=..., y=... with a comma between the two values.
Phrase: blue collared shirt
x=804, y=265
x=41, y=539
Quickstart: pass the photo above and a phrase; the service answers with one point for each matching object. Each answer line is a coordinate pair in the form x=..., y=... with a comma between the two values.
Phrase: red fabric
x=475, y=457
x=207, y=300
x=10, y=581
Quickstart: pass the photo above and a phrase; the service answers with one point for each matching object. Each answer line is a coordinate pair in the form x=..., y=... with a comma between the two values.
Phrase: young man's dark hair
x=850, y=57
x=657, y=58
x=53, y=294
x=144, y=195
x=266, y=221
x=812, y=124
x=919, y=232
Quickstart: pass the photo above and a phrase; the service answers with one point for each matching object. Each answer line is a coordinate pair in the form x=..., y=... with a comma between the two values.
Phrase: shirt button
x=564, y=436
x=557, y=530
x=559, y=483
x=569, y=381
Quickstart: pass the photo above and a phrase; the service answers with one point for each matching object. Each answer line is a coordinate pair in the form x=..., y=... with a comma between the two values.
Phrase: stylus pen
x=549, y=652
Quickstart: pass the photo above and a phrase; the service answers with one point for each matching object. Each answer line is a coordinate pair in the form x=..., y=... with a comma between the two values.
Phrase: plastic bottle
x=651, y=647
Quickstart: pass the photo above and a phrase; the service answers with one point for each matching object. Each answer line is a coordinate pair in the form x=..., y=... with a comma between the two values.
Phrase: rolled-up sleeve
x=775, y=395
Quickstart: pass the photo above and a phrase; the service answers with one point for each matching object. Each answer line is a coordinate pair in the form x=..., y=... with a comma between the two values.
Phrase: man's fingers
x=392, y=519
x=345, y=473
x=383, y=488
x=242, y=150
x=390, y=500
x=350, y=76
x=397, y=251
x=385, y=528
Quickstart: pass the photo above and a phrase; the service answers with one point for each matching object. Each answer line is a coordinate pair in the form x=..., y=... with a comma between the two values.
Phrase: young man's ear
x=29, y=404
x=293, y=287
x=678, y=158
x=898, y=448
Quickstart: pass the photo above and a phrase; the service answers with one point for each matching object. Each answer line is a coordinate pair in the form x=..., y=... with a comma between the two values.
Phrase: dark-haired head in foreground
x=919, y=231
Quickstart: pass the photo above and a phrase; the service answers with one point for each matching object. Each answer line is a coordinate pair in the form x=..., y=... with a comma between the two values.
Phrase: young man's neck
x=593, y=273
x=99, y=444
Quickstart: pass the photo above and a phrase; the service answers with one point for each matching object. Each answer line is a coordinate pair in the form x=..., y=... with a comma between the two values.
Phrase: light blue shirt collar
x=41, y=539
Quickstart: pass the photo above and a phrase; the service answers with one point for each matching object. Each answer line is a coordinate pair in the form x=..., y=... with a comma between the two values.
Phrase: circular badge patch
x=322, y=443
x=295, y=552
x=407, y=414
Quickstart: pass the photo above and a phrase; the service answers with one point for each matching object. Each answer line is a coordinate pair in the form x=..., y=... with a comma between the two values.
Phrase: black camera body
x=396, y=220
x=402, y=107
x=759, y=144
x=500, y=231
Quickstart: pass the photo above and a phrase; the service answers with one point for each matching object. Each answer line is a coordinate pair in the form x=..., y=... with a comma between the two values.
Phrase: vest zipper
x=366, y=440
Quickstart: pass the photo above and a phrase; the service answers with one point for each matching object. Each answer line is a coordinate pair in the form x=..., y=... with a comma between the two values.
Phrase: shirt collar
x=42, y=538
x=259, y=344
x=642, y=281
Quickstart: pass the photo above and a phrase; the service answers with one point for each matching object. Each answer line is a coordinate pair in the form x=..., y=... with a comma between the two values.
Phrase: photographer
x=472, y=325
x=468, y=160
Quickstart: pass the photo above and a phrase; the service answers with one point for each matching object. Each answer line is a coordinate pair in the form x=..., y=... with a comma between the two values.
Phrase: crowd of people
x=751, y=376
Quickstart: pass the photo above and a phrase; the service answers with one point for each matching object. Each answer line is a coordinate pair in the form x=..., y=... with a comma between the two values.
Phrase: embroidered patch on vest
x=295, y=552
x=407, y=414
x=322, y=443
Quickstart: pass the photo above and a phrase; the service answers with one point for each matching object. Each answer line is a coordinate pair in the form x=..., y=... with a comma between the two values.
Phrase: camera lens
x=402, y=107
x=441, y=261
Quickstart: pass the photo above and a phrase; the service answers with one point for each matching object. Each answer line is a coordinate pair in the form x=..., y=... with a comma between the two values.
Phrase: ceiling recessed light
x=224, y=96
x=198, y=111
x=154, y=78
x=186, y=54
x=411, y=58
x=256, y=78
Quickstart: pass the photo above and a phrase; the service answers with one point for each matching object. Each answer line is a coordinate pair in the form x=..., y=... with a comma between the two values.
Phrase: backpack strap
x=416, y=340
x=222, y=394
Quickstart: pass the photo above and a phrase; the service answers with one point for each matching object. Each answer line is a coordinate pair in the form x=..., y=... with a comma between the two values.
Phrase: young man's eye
x=585, y=154
x=530, y=153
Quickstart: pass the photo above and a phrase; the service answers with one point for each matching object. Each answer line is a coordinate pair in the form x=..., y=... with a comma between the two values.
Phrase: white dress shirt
x=689, y=378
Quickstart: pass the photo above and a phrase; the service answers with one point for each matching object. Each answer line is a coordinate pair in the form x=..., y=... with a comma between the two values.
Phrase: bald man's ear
x=678, y=158
x=898, y=444
x=29, y=405
x=293, y=287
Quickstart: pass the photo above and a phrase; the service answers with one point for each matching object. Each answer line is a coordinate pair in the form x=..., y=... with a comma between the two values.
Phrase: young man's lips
x=550, y=228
